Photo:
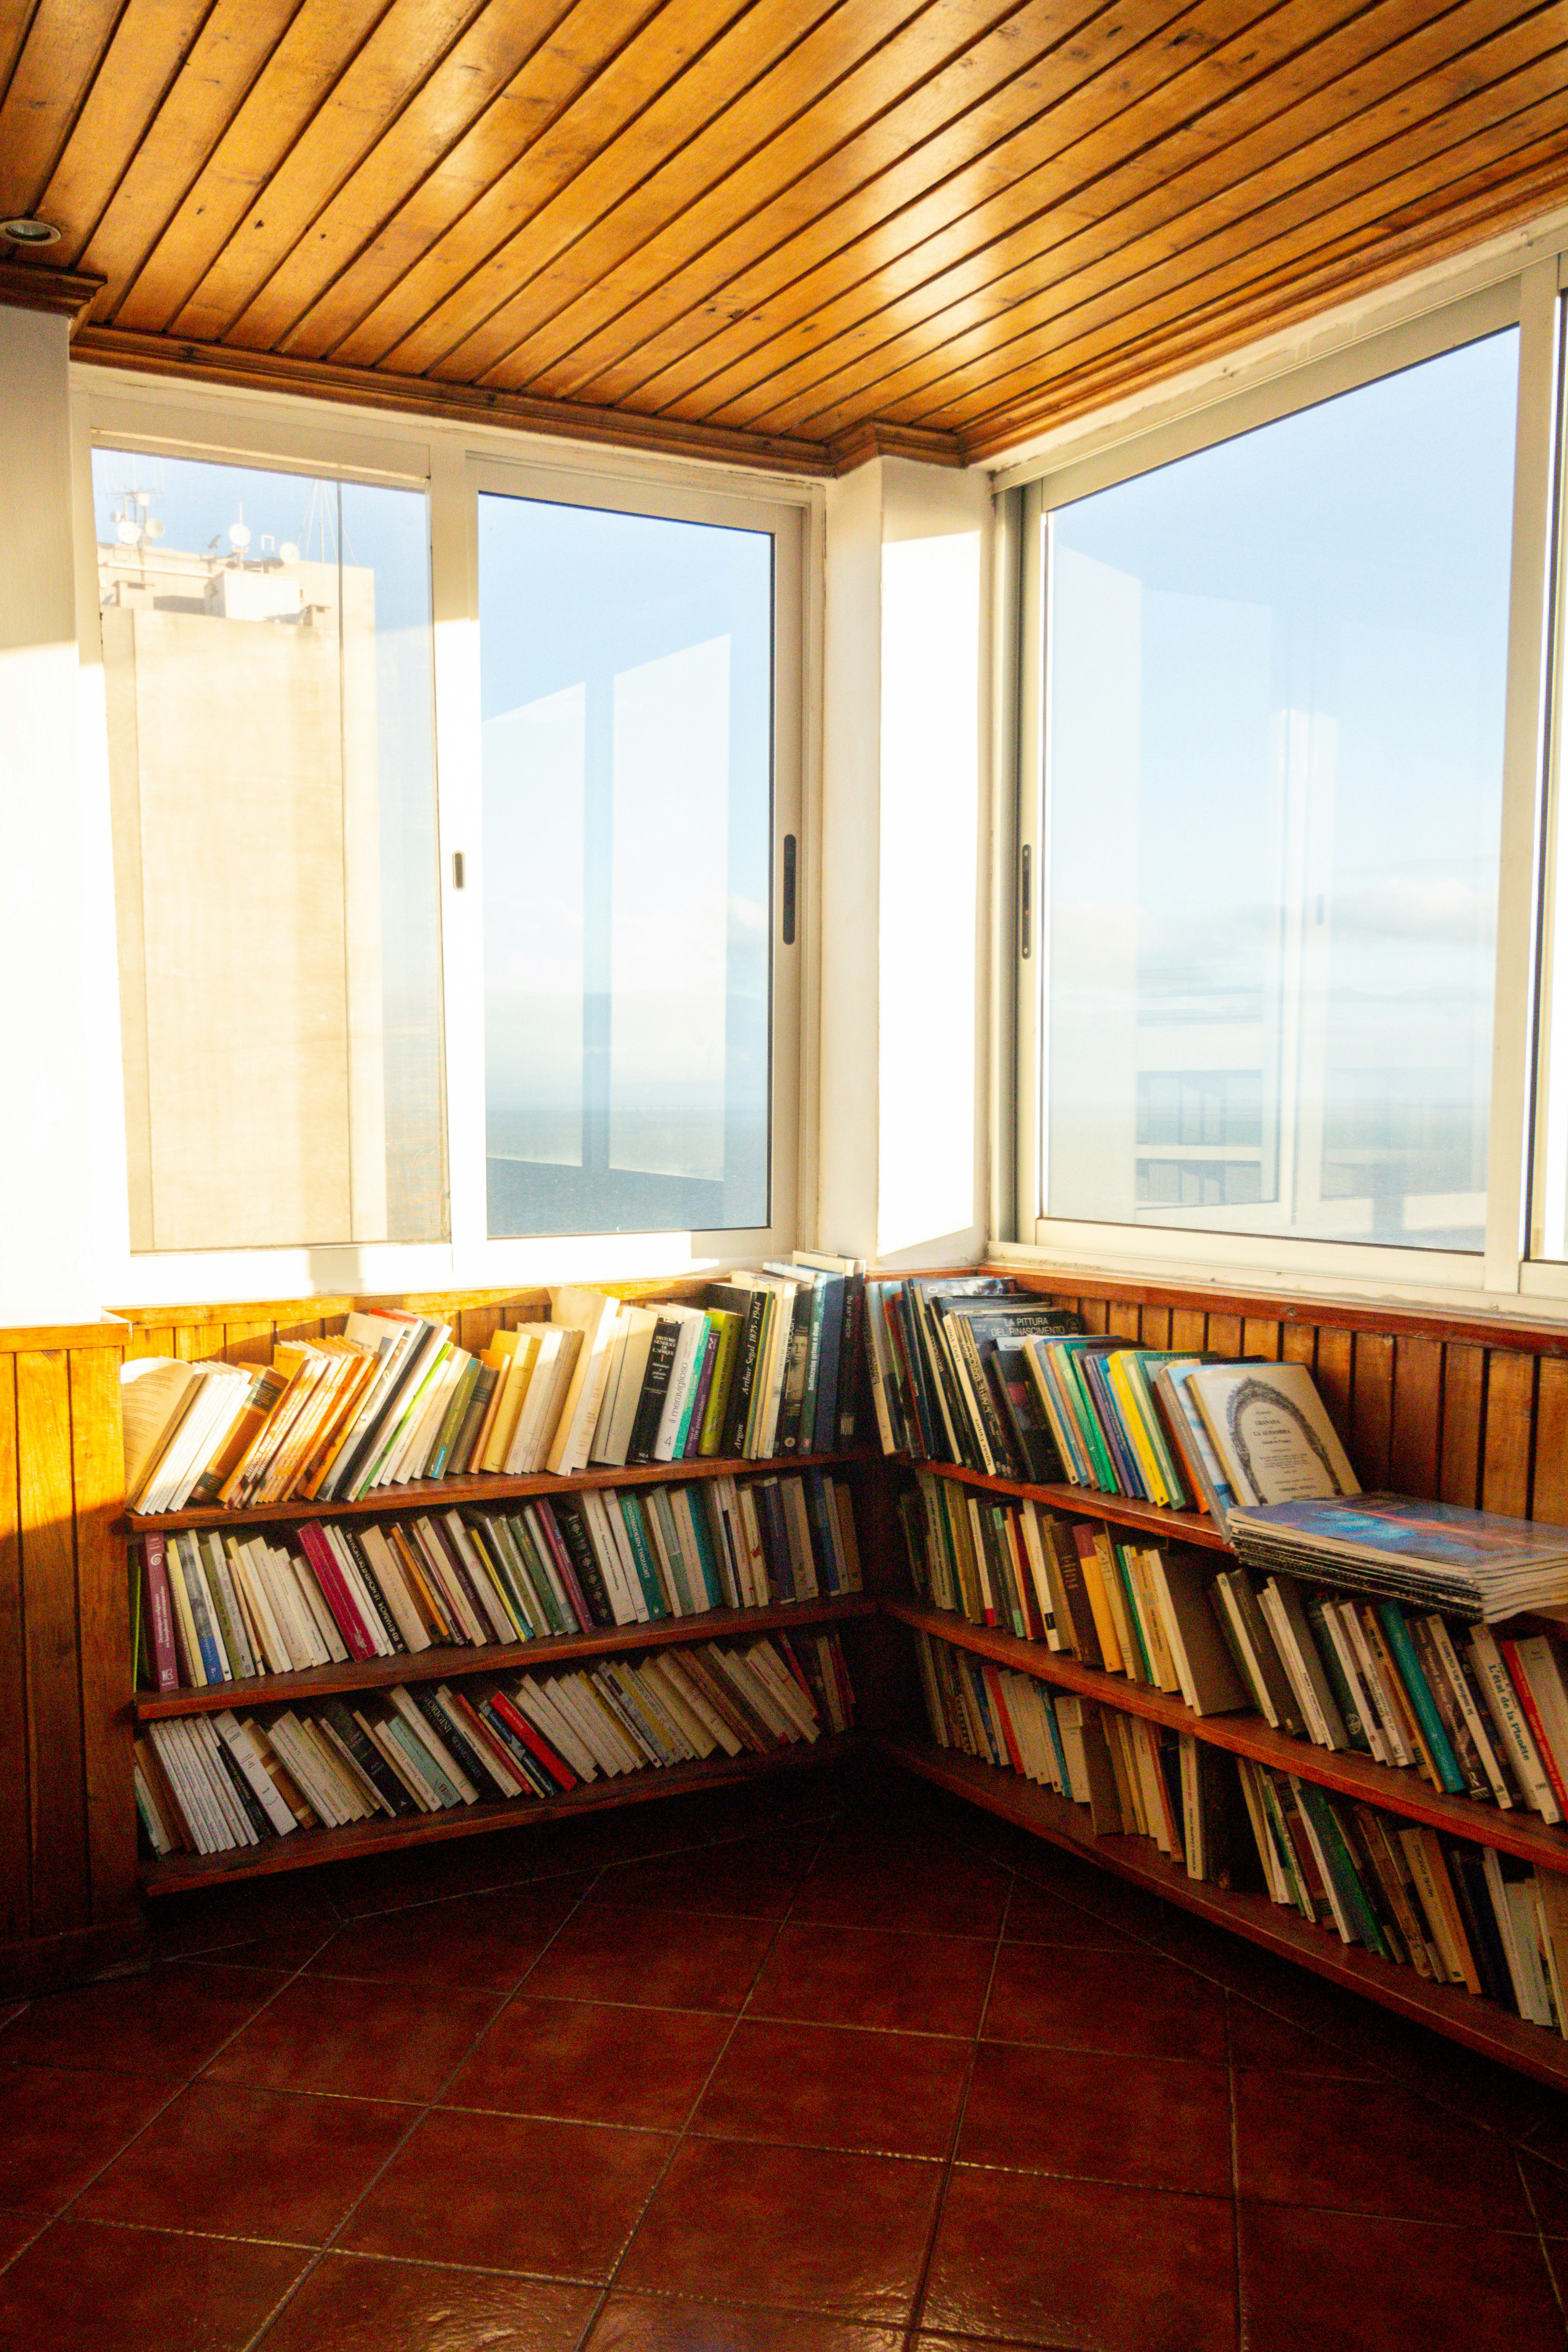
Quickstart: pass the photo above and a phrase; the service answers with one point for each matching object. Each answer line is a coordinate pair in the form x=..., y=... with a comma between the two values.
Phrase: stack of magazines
x=1468, y=1563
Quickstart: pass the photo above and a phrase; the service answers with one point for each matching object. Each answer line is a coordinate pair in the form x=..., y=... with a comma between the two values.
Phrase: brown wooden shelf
x=183, y=1873
x=1117, y=1510
x=1480, y=2025
x=1395, y=1787
x=499, y=1657
x=427, y=1493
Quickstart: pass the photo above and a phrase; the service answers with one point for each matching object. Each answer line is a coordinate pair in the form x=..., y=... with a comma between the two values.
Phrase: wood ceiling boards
x=786, y=231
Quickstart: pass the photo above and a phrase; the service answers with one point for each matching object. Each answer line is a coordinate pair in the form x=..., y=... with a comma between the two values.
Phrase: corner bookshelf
x=178, y=1873
x=1480, y=2024
x=186, y=1872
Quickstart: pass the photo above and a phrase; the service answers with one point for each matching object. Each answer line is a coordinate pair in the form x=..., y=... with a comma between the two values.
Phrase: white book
x=393, y=1339
x=595, y=1726
x=302, y=1762
x=394, y=1585
x=600, y=1439
x=266, y=1639
x=629, y=1719
x=639, y=1324
x=348, y=1570
x=293, y=1610
x=414, y=1455
x=1271, y=1432
x=217, y=1401
x=208, y=1746
x=503, y=1628
x=313, y=1604
x=557, y=1353
x=171, y=1754
x=597, y=1522
x=738, y=1667
x=405, y=1409
x=245, y=1745
x=535, y=1700
x=700, y=1725
x=1513, y=1728
x=457, y=1604
x=657, y=1700
x=595, y=1315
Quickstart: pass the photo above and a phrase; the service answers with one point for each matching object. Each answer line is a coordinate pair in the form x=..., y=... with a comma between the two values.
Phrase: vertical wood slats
x=58, y=1812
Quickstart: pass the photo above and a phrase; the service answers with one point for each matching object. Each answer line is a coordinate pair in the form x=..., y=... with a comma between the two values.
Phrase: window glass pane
x=627, y=695
x=1275, y=693
x=266, y=650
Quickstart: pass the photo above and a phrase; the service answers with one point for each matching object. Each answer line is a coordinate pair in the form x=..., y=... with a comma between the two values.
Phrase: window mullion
x=1523, y=743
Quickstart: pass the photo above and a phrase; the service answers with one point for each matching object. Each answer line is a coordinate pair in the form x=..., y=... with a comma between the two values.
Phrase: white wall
x=53, y=942
x=904, y=837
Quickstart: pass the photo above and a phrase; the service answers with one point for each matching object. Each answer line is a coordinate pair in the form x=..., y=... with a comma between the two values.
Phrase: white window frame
x=451, y=463
x=1516, y=287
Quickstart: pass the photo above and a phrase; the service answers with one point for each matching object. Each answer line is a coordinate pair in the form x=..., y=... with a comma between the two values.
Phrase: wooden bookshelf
x=184, y=1873
x=1480, y=2024
x=431, y=1494
x=1117, y=1510
x=1392, y=1788
x=501, y=1657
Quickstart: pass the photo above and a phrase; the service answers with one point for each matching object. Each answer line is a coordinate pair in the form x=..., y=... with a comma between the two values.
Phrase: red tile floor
x=830, y=2068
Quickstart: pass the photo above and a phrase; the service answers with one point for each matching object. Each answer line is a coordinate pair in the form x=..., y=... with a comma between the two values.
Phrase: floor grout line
x=922, y=2278
x=680, y=2140
x=329, y=2245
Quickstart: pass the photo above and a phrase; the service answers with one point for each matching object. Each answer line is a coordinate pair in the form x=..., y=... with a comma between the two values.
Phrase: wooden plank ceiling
x=776, y=228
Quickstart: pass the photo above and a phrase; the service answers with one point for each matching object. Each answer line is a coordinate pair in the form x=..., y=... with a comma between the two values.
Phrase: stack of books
x=1472, y=1563
x=1475, y=1712
x=764, y=1367
x=218, y=1784
x=949, y=1376
x=1455, y=1911
x=221, y=1607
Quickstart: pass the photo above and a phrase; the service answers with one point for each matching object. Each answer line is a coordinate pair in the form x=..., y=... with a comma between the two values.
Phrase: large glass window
x=627, y=710
x=1275, y=686
x=266, y=650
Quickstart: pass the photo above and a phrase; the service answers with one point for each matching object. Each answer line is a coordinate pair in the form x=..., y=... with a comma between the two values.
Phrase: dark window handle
x=788, y=889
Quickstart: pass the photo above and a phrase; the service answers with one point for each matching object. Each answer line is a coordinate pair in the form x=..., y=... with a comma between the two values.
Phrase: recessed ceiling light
x=30, y=232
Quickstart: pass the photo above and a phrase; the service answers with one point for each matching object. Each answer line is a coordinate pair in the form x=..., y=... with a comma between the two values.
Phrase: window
x=1265, y=775
x=449, y=798
x=267, y=652
x=627, y=697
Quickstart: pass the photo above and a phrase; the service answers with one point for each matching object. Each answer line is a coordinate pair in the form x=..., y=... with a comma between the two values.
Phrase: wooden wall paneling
x=1333, y=1375
x=58, y=1814
x=1549, y=1482
x=1372, y=1423
x=476, y=1327
x=1260, y=1337
x=1189, y=1330
x=1417, y=1416
x=1095, y=1314
x=15, y=1757
x=1299, y=1343
x=248, y=1343
x=1123, y=1321
x=103, y=1631
x=1464, y=1377
x=1154, y=1327
x=1224, y=1334
x=1509, y=1433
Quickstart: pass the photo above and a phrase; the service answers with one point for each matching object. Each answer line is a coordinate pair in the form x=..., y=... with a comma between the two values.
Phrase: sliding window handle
x=1026, y=900
x=788, y=889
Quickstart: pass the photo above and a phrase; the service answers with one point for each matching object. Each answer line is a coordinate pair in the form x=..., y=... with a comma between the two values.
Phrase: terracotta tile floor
x=815, y=2069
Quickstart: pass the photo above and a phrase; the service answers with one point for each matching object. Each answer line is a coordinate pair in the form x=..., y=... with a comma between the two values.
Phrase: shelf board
x=183, y=1873
x=1117, y=1510
x=1388, y=1786
x=1480, y=2025
x=429, y=1494
x=499, y=1657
